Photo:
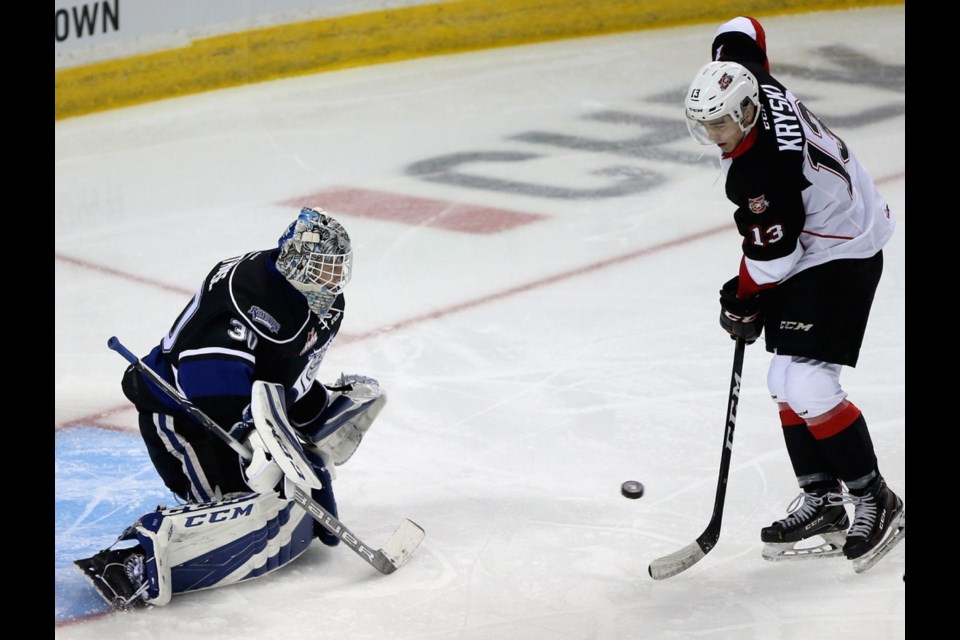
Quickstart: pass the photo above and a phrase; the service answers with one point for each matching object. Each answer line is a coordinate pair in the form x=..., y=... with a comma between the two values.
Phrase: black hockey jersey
x=802, y=196
x=245, y=323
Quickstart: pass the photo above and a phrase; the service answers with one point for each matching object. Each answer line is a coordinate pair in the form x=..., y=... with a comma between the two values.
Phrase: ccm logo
x=220, y=515
x=793, y=325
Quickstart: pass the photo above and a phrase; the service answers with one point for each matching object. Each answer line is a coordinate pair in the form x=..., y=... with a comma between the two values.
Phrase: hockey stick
x=670, y=565
x=398, y=548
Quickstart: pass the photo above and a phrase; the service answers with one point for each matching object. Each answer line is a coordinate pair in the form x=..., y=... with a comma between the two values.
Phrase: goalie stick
x=267, y=402
x=679, y=561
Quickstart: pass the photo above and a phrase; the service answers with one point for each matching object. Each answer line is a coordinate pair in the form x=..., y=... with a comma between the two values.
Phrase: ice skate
x=879, y=524
x=814, y=528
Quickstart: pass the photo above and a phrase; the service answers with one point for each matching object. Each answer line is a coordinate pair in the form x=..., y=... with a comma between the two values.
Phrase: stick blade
x=677, y=562
x=401, y=545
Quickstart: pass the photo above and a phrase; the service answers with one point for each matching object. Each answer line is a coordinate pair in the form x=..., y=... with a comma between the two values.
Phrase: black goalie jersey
x=245, y=323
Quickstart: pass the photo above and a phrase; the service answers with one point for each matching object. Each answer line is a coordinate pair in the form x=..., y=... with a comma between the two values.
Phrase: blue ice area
x=104, y=481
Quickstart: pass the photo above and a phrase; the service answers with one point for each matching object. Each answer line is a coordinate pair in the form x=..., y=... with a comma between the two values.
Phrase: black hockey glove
x=740, y=318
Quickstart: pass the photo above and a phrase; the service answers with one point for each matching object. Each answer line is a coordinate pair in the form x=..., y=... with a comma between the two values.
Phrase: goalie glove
x=740, y=318
x=354, y=402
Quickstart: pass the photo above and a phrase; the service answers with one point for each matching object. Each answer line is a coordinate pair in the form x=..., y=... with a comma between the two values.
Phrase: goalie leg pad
x=201, y=546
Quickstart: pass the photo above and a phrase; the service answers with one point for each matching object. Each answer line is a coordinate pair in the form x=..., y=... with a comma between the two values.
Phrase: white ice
x=529, y=371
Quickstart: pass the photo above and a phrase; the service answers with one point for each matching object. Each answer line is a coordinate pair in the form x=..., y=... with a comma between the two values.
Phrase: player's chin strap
x=273, y=426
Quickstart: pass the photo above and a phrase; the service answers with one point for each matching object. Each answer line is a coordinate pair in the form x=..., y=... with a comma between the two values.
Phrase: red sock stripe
x=836, y=422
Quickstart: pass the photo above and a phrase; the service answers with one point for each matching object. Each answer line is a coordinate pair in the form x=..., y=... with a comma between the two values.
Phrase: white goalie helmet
x=721, y=89
x=316, y=257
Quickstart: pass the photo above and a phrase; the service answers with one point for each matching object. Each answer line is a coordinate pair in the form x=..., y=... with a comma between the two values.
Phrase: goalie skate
x=117, y=575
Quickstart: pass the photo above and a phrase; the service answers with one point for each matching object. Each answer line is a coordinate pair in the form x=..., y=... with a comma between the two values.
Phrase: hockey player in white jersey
x=813, y=225
x=268, y=316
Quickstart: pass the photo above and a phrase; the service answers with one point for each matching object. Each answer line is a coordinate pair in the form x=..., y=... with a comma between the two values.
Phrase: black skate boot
x=878, y=525
x=118, y=576
x=814, y=528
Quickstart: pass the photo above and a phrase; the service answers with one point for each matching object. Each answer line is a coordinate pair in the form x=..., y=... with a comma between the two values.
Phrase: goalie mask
x=316, y=257
x=721, y=89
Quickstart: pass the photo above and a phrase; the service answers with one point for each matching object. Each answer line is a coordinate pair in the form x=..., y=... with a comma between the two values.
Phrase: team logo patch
x=725, y=81
x=311, y=340
x=260, y=316
x=758, y=204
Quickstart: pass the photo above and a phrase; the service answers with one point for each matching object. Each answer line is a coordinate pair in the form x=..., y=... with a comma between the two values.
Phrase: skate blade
x=865, y=562
x=831, y=547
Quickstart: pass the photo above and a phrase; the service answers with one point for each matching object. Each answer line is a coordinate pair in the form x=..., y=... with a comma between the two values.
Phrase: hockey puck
x=631, y=489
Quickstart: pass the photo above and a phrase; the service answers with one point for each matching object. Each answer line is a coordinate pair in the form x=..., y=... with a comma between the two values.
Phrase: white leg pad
x=200, y=546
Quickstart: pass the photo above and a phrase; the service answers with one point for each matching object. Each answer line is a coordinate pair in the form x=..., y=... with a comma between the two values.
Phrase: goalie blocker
x=243, y=536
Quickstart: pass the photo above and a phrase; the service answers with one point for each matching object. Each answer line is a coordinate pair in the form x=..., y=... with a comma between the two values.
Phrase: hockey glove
x=354, y=402
x=740, y=318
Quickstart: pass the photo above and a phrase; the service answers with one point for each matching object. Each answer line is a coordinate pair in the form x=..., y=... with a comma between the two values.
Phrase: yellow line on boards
x=385, y=36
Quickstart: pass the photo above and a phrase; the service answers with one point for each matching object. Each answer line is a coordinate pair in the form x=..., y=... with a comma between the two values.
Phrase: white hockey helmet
x=721, y=89
x=316, y=257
